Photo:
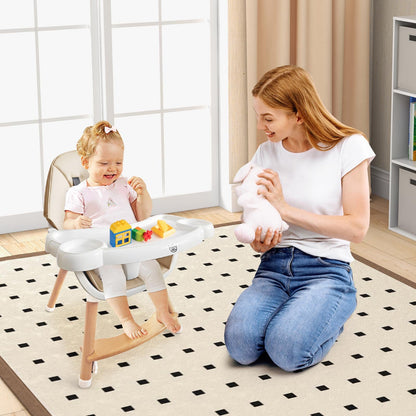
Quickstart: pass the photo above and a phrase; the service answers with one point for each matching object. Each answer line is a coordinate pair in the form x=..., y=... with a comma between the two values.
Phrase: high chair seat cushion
x=65, y=171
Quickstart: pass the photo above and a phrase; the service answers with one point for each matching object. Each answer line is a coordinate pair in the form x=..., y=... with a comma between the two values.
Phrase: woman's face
x=277, y=124
x=105, y=166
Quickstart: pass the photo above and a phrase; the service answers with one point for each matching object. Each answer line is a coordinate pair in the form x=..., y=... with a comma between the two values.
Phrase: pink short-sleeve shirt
x=103, y=204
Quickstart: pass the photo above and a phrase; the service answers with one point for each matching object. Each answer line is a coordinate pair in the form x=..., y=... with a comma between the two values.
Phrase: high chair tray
x=87, y=249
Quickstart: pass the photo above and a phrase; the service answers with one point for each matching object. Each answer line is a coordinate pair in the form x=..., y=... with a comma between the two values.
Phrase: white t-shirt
x=103, y=204
x=311, y=181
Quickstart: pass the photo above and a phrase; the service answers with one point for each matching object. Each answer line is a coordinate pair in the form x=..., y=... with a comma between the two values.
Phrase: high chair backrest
x=65, y=171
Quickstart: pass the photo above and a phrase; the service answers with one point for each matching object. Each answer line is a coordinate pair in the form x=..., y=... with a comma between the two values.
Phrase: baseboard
x=380, y=181
x=22, y=222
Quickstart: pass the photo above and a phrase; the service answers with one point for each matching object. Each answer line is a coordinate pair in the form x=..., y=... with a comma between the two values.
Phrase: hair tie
x=108, y=129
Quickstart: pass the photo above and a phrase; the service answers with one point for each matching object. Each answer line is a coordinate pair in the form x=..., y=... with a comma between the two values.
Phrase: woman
x=316, y=175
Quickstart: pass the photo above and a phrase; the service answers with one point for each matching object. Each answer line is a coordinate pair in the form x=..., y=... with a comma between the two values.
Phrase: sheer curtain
x=329, y=38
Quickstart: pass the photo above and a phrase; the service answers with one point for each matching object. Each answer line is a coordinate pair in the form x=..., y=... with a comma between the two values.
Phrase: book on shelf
x=412, y=129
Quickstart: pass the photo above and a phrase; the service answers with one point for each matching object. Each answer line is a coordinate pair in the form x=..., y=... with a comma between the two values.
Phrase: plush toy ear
x=242, y=172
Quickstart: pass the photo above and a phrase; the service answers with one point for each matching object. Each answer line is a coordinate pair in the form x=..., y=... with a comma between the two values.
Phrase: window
x=47, y=94
x=163, y=101
x=148, y=66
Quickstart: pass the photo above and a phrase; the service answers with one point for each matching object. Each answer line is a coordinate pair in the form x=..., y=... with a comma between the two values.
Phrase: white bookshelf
x=399, y=132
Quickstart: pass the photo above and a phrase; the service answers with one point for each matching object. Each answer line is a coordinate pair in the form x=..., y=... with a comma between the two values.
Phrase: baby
x=104, y=198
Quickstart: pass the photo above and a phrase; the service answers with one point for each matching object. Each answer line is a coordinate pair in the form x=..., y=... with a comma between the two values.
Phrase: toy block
x=162, y=229
x=163, y=226
x=120, y=233
x=137, y=234
x=147, y=235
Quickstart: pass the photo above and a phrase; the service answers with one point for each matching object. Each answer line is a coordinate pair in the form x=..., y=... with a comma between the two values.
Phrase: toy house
x=120, y=233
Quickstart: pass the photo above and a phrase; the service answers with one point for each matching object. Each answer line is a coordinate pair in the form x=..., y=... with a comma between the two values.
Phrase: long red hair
x=291, y=88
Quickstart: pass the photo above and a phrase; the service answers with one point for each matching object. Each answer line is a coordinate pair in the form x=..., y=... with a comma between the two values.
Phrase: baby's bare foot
x=171, y=322
x=132, y=330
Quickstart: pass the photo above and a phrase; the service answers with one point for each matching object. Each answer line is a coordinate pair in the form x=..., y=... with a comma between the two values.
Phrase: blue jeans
x=294, y=310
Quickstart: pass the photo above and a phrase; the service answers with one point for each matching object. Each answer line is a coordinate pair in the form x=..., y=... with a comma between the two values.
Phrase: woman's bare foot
x=132, y=329
x=171, y=322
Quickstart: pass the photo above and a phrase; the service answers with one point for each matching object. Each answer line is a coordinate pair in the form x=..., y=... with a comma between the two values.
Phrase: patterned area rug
x=370, y=371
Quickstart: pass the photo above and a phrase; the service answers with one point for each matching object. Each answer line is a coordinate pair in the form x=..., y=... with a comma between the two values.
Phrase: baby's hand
x=137, y=184
x=82, y=222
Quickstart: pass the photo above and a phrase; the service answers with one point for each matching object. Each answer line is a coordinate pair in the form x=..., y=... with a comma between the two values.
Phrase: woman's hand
x=137, y=184
x=271, y=239
x=271, y=189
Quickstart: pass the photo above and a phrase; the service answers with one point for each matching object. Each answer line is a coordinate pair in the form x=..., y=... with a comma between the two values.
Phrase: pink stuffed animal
x=257, y=210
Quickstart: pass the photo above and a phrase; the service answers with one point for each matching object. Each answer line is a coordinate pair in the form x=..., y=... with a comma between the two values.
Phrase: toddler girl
x=106, y=197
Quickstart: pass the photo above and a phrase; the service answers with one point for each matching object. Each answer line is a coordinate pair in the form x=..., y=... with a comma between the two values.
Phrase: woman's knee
x=288, y=358
x=244, y=331
x=241, y=342
x=296, y=353
x=291, y=364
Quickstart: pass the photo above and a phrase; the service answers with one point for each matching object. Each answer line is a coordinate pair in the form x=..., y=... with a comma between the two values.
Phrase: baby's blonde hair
x=291, y=88
x=95, y=134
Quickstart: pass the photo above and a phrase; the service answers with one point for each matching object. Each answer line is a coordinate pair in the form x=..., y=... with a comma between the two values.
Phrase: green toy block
x=137, y=233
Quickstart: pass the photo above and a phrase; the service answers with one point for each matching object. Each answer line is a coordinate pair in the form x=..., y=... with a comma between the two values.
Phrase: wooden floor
x=381, y=246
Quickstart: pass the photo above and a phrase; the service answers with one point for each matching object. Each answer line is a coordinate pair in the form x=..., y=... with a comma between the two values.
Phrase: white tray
x=87, y=249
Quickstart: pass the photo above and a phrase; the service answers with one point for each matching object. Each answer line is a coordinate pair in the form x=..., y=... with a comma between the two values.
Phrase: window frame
x=103, y=108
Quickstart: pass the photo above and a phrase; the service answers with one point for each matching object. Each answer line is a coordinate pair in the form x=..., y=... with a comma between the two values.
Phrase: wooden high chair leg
x=56, y=289
x=85, y=377
x=98, y=349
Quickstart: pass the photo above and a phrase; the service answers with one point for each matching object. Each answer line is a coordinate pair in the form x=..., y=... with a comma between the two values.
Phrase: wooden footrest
x=107, y=347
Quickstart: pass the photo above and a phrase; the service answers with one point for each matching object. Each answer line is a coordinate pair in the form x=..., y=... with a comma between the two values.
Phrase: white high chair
x=82, y=251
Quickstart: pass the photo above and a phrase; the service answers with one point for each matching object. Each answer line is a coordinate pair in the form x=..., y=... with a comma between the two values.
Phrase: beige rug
x=370, y=371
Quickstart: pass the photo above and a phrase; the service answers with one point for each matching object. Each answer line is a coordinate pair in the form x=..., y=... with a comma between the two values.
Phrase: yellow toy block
x=119, y=226
x=162, y=229
x=163, y=226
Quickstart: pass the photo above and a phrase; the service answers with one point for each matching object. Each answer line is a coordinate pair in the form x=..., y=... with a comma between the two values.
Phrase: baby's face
x=105, y=166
